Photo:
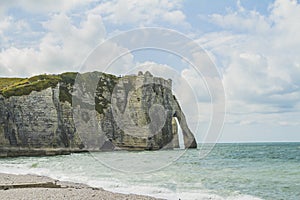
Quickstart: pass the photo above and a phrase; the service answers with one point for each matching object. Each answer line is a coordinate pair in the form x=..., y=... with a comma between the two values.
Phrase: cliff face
x=70, y=111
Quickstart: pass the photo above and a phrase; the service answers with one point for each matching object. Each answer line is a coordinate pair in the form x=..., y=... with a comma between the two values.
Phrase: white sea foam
x=114, y=185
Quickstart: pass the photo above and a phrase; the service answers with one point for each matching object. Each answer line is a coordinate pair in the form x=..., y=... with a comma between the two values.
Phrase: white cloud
x=174, y=17
x=143, y=13
x=109, y=57
x=62, y=48
x=198, y=83
x=250, y=21
x=34, y=6
x=5, y=24
x=259, y=57
x=13, y=31
x=66, y=34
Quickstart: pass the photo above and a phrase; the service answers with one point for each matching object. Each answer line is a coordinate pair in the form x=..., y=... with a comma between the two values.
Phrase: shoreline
x=13, y=152
x=41, y=187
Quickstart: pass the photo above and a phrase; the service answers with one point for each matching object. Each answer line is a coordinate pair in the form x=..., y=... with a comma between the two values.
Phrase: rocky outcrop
x=91, y=111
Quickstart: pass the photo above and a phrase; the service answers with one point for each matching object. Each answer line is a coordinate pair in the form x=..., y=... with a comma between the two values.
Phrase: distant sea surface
x=230, y=171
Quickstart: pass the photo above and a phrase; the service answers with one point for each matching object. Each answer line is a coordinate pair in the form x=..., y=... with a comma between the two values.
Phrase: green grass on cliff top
x=24, y=86
x=8, y=82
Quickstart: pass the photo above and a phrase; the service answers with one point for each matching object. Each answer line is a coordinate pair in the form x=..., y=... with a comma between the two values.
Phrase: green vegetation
x=105, y=85
x=24, y=86
x=69, y=77
x=9, y=82
x=67, y=82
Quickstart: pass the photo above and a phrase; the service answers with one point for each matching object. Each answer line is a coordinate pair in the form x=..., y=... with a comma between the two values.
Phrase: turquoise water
x=230, y=171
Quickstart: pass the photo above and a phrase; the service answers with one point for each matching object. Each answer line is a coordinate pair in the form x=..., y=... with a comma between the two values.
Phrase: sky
x=254, y=45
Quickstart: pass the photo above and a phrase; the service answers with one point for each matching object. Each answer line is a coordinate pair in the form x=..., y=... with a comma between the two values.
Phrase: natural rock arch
x=188, y=137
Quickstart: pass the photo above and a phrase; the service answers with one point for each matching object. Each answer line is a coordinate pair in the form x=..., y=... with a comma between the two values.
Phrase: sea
x=229, y=171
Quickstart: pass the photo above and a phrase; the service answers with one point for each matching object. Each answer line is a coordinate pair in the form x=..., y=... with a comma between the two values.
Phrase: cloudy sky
x=254, y=44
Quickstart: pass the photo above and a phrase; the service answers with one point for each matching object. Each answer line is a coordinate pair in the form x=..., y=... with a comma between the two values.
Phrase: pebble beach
x=28, y=187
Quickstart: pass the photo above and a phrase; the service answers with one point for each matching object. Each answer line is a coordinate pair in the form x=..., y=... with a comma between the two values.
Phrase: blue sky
x=254, y=44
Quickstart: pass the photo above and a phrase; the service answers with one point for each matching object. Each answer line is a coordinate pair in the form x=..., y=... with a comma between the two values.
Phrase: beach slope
x=27, y=187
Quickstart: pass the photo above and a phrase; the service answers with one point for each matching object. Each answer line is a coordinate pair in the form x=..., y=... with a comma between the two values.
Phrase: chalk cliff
x=57, y=114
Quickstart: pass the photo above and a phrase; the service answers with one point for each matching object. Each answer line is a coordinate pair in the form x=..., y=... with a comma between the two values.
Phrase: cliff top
x=24, y=86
